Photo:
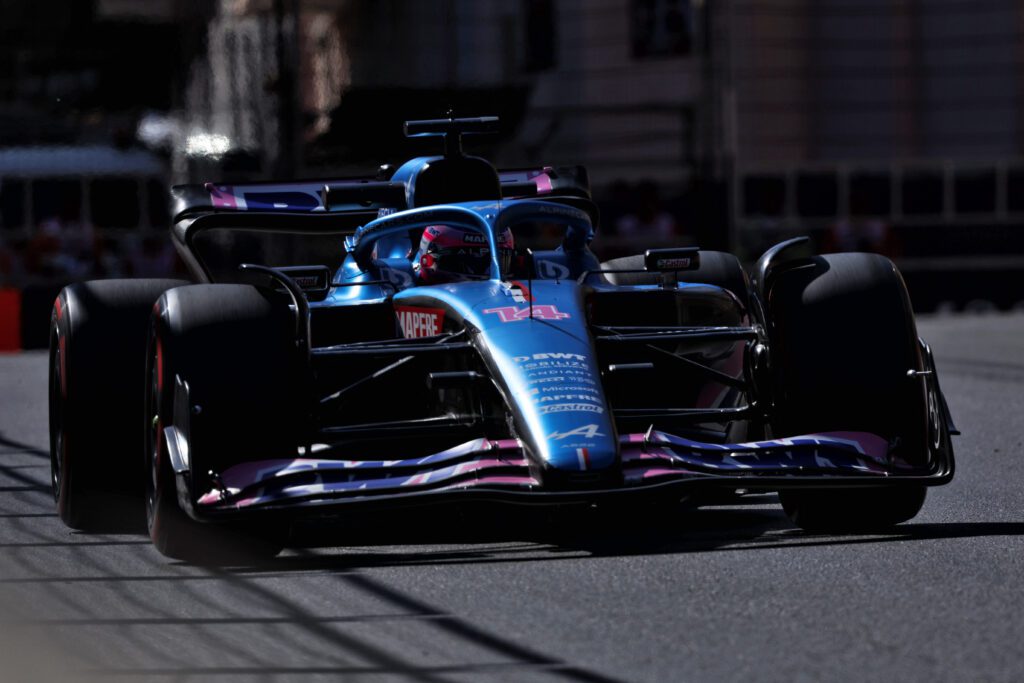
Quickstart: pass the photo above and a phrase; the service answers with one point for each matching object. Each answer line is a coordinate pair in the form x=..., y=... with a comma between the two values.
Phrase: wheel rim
x=57, y=439
x=934, y=424
x=152, y=433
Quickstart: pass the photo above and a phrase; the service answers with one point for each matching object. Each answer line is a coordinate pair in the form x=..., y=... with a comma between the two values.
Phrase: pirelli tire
x=716, y=268
x=96, y=380
x=843, y=339
x=224, y=370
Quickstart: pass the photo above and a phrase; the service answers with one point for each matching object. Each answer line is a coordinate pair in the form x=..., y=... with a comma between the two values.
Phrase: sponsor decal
x=673, y=263
x=570, y=408
x=419, y=322
x=558, y=367
x=552, y=270
x=570, y=387
x=586, y=431
x=566, y=397
x=556, y=210
x=473, y=238
x=511, y=314
x=307, y=281
x=579, y=374
x=583, y=456
x=557, y=370
x=551, y=356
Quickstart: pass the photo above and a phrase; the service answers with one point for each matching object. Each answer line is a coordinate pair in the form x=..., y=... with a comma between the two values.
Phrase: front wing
x=652, y=464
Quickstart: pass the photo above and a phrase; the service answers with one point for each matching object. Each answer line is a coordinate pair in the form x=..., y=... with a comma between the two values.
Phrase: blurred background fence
x=894, y=126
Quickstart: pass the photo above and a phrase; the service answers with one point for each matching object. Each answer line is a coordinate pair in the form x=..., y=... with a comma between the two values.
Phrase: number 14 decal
x=511, y=314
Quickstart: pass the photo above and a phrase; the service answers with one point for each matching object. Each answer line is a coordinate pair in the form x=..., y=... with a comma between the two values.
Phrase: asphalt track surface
x=715, y=594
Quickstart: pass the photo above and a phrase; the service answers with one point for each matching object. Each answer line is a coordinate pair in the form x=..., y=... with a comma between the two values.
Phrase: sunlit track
x=730, y=593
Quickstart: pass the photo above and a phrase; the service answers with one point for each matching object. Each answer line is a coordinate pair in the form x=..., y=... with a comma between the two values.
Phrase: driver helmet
x=452, y=254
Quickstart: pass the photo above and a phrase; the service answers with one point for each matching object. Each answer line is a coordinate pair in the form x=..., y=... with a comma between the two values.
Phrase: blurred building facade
x=620, y=86
x=893, y=125
x=611, y=84
x=80, y=196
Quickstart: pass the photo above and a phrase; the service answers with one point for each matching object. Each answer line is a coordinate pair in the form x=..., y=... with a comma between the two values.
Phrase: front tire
x=852, y=510
x=842, y=341
x=233, y=348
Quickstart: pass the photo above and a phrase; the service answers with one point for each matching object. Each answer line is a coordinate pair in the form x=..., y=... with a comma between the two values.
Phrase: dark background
x=894, y=127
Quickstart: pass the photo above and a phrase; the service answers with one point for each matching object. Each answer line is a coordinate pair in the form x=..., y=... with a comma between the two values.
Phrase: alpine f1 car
x=442, y=332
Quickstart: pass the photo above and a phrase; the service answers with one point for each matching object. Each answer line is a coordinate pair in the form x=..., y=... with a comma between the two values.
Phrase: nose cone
x=562, y=408
x=580, y=446
x=548, y=368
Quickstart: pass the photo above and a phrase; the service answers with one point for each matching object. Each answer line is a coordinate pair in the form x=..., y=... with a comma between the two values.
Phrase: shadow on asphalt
x=582, y=536
x=341, y=551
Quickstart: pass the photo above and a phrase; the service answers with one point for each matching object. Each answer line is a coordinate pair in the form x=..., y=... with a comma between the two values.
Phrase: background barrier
x=10, y=320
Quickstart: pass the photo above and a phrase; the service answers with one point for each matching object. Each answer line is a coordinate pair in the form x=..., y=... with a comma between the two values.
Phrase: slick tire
x=842, y=341
x=716, y=268
x=228, y=351
x=852, y=510
x=96, y=379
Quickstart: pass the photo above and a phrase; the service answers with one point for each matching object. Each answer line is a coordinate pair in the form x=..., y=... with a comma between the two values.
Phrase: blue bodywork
x=543, y=363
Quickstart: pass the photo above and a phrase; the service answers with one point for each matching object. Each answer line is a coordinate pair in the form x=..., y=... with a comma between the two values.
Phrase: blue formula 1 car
x=443, y=333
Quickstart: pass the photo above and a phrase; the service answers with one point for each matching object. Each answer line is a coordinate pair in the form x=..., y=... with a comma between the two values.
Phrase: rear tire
x=842, y=340
x=97, y=374
x=234, y=349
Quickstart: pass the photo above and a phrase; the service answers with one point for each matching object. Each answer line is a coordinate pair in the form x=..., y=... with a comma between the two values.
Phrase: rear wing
x=358, y=194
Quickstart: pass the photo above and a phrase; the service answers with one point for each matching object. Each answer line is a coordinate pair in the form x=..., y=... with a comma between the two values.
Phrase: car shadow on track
x=497, y=537
x=482, y=534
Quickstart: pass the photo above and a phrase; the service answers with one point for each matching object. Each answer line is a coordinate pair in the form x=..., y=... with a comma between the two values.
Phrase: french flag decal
x=584, y=458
